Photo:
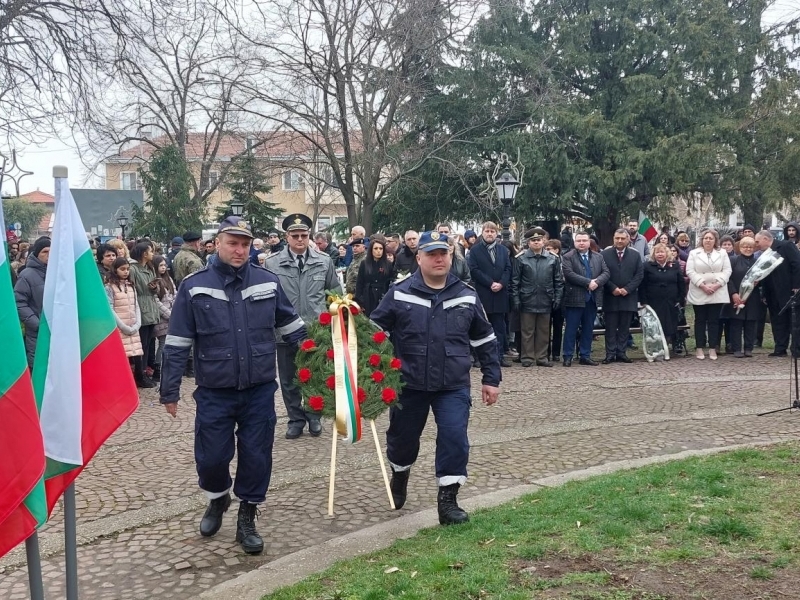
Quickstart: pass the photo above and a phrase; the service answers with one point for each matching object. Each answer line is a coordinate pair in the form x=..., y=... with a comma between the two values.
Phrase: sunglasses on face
x=299, y=236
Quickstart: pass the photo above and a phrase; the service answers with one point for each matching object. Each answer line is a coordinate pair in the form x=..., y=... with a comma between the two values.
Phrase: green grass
x=732, y=506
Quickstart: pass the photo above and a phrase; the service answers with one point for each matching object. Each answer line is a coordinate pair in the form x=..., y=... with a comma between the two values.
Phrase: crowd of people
x=546, y=301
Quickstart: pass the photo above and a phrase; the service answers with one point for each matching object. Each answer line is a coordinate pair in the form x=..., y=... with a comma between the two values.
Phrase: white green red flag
x=646, y=229
x=21, y=448
x=81, y=376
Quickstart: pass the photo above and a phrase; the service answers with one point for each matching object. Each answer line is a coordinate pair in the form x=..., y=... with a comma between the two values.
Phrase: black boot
x=398, y=486
x=449, y=511
x=212, y=520
x=246, y=533
x=156, y=377
x=143, y=381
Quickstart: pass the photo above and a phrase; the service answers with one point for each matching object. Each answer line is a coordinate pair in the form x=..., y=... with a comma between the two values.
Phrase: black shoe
x=156, y=376
x=449, y=511
x=543, y=363
x=527, y=363
x=588, y=362
x=738, y=354
x=212, y=520
x=246, y=533
x=516, y=360
x=504, y=362
x=777, y=353
x=145, y=382
x=399, y=485
x=748, y=354
x=567, y=361
x=294, y=432
x=556, y=359
x=624, y=359
x=608, y=360
x=314, y=428
x=476, y=364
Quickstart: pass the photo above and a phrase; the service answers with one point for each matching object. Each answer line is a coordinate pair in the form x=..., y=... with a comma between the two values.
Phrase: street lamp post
x=122, y=221
x=506, y=186
x=237, y=208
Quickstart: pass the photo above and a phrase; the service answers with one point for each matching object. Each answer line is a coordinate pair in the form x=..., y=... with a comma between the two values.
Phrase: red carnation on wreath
x=304, y=375
x=379, y=378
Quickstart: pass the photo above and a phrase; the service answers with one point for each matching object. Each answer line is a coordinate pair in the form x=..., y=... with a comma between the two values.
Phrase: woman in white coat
x=708, y=269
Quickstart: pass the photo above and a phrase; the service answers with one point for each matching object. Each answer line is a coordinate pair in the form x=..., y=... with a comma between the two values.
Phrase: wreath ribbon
x=345, y=363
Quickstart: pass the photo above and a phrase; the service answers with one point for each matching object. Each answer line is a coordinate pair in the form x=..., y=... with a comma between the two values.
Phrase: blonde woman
x=708, y=270
x=120, y=248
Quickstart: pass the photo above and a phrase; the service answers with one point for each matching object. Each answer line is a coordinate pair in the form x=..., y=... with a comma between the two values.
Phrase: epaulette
x=205, y=267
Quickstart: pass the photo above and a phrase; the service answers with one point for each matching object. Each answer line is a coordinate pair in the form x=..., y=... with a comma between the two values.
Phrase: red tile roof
x=277, y=145
x=38, y=197
x=44, y=224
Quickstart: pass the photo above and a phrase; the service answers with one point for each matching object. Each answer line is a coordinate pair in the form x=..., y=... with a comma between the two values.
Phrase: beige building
x=301, y=179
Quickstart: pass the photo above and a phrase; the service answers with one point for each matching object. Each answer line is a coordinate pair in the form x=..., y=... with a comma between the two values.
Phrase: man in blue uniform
x=232, y=311
x=433, y=319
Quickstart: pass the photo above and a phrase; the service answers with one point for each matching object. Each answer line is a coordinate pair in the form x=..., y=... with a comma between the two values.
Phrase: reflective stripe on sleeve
x=207, y=291
x=178, y=341
x=411, y=299
x=481, y=342
x=263, y=288
x=456, y=301
x=291, y=327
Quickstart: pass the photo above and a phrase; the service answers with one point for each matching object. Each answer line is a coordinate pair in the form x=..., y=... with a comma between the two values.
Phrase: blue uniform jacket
x=232, y=317
x=432, y=333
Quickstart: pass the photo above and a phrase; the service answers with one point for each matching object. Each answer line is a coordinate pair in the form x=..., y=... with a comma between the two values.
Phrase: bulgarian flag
x=82, y=380
x=646, y=229
x=21, y=447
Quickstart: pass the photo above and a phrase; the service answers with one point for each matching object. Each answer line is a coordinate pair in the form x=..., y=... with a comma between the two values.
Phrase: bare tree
x=49, y=50
x=344, y=74
x=175, y=79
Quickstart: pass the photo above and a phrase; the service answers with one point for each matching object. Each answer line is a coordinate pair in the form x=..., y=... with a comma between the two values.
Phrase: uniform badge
x=435, y=235
x=243, y=224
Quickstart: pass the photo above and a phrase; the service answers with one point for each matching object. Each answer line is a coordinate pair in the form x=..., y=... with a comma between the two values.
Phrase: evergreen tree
x=169, y=208
x=249, y=183
x=27, y=214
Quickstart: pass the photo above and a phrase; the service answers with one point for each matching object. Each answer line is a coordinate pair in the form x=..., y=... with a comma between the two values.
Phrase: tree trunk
x=604, y=228
x=753, y=212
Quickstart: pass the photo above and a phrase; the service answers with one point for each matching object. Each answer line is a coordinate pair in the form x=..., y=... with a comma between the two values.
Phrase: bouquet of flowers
x=766, y=264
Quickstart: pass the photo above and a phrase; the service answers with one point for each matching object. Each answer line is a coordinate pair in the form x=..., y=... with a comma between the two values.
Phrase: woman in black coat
x=748, y=317
x=663, y=289
x=375, y=275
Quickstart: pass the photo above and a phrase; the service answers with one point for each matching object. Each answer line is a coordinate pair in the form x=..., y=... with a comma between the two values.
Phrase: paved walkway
x=139, y=507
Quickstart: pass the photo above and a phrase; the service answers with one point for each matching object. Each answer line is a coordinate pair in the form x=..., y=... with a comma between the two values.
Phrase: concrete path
x=139, y=508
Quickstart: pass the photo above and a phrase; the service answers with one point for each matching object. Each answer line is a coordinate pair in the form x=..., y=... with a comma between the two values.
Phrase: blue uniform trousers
x=451, y=412
x=250, y=414
x=583, y=317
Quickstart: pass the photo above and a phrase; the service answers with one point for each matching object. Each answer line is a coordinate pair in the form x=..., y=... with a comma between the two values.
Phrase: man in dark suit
x=620, y=294
x=490, y=268
x=585, y=275
x=779, y=286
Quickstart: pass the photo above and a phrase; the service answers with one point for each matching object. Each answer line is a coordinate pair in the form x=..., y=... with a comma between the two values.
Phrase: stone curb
x=295, y=567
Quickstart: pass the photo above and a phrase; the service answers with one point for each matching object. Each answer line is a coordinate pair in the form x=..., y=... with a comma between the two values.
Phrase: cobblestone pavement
x=139, y=507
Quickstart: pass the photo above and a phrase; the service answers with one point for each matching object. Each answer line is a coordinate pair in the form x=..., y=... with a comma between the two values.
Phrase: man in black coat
x=490, y=267
x=405, y=261
x=620, y=294
x=585, y=274
x=779, y=286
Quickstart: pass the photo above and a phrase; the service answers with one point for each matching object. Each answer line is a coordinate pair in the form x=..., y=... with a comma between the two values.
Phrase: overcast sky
x=41, y=159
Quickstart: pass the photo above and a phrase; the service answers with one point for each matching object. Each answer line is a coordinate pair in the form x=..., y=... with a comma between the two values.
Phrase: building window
x=129, y=180
x=323, y=223
x=292, y=181
x=213, y=178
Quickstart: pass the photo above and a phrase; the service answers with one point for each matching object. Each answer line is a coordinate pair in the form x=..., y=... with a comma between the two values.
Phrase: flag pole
x=71, y=543
x=34, y=567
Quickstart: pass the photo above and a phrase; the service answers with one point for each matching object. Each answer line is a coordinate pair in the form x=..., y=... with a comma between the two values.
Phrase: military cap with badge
x=433, y=240
x=297, y=222
x=235, y=226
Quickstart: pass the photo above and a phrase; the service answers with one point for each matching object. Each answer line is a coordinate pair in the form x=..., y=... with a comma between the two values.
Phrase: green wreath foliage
x=379, y=381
